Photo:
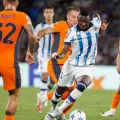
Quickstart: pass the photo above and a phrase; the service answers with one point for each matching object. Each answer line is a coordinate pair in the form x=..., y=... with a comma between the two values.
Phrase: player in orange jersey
x=59, y=31
x=116, y=97
x=12, y=23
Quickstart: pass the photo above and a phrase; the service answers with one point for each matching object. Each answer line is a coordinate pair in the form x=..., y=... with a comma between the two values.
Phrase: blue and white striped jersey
x=84, y=43
x=45, y=43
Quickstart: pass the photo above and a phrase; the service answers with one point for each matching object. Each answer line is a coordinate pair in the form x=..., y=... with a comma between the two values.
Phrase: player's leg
x=63, y=84
x=42, y=68
x=50, y=84
x=12, y=104
x=65, y=95
x=115, y=102
x=83, y=82
x=12, y=83
x=54, y=71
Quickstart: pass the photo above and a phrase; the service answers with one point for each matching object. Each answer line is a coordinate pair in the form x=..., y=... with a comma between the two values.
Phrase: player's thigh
x=70, y=89
x=86, y=72
x=54, y=71
x=42, y=65
x=11, y=78
x=66, y=79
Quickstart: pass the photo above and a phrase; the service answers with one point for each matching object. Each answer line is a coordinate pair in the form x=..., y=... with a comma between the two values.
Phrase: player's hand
x=30, y=58
x=37, y=38
x=104, y=25
x=96, y=15
x=54, y=55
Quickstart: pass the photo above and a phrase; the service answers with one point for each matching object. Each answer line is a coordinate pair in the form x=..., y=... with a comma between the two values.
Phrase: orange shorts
x=11, y=77
x=54, y=71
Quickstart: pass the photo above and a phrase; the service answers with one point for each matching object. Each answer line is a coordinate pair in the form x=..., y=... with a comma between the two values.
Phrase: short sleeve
x=26, y=20
x=57, y=27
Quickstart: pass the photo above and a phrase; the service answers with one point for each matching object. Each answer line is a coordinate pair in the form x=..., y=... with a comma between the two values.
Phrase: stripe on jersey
x=49, y=44
x=80, y=47
x=18, y=77
x=42, y=26
x=17, y=49
x=94, y=53
x=89, y=46
x=56, y=68
x=56, y=42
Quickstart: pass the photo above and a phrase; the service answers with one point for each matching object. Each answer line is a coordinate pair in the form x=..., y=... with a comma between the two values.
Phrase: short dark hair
x=48, y=7
x=84, y=13
x=73, y=8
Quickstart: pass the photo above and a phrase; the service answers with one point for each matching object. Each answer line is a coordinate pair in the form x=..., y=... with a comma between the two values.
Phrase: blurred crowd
x=107, y=9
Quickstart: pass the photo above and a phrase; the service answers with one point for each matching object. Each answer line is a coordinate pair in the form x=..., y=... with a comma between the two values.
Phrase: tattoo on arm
x=31, y=38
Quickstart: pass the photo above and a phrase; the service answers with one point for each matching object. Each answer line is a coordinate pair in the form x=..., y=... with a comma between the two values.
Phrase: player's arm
x=31, y=38
x=43, y=32
x=67, y=44
x=63, y=52
x=103, y=27
x=118, y=59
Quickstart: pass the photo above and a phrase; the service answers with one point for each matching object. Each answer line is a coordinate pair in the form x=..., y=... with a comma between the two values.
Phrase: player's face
x=48, y=14
x=72, y=17
x=83, y=22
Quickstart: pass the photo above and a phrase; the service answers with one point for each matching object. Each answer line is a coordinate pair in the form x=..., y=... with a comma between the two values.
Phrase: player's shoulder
x=60, y=23
x=22, y=14
x=40, y=24
x=13, y=14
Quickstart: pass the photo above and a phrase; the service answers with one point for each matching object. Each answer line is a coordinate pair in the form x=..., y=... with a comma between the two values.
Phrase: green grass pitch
x=93, y=102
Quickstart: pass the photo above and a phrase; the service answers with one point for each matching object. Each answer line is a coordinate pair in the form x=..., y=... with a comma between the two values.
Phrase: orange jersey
x=11, y=26
x=60, y=30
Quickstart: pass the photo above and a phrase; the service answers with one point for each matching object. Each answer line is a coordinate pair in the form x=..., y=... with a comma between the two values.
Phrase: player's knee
x=14, y=93
x=61, y=90
x=85, y=79
x=9, y=113
x=118, y=90
x=81, y=86
x=45, y=76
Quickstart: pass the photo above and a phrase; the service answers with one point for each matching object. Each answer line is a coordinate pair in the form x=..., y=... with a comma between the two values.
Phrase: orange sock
x=9, y=117
x=65, y=95
x=68, y=108
x=49, y=95
x=115, y=100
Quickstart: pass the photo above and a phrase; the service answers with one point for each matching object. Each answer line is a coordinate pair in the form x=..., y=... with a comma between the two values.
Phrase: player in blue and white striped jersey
x=79, y=67
x=84, y=43
x=44, y=51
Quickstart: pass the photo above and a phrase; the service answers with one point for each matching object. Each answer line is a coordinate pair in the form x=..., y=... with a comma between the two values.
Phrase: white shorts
x=70, y=73
x=42, y=65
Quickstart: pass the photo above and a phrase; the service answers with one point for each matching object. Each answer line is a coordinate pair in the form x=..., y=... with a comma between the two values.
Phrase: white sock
x=74, y=95
x=43, y=87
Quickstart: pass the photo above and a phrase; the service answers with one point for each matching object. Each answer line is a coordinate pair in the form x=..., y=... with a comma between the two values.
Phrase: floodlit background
x=106, y=79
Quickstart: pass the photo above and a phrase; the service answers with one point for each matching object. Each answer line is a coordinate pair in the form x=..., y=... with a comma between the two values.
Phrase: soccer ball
x=77, y=115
